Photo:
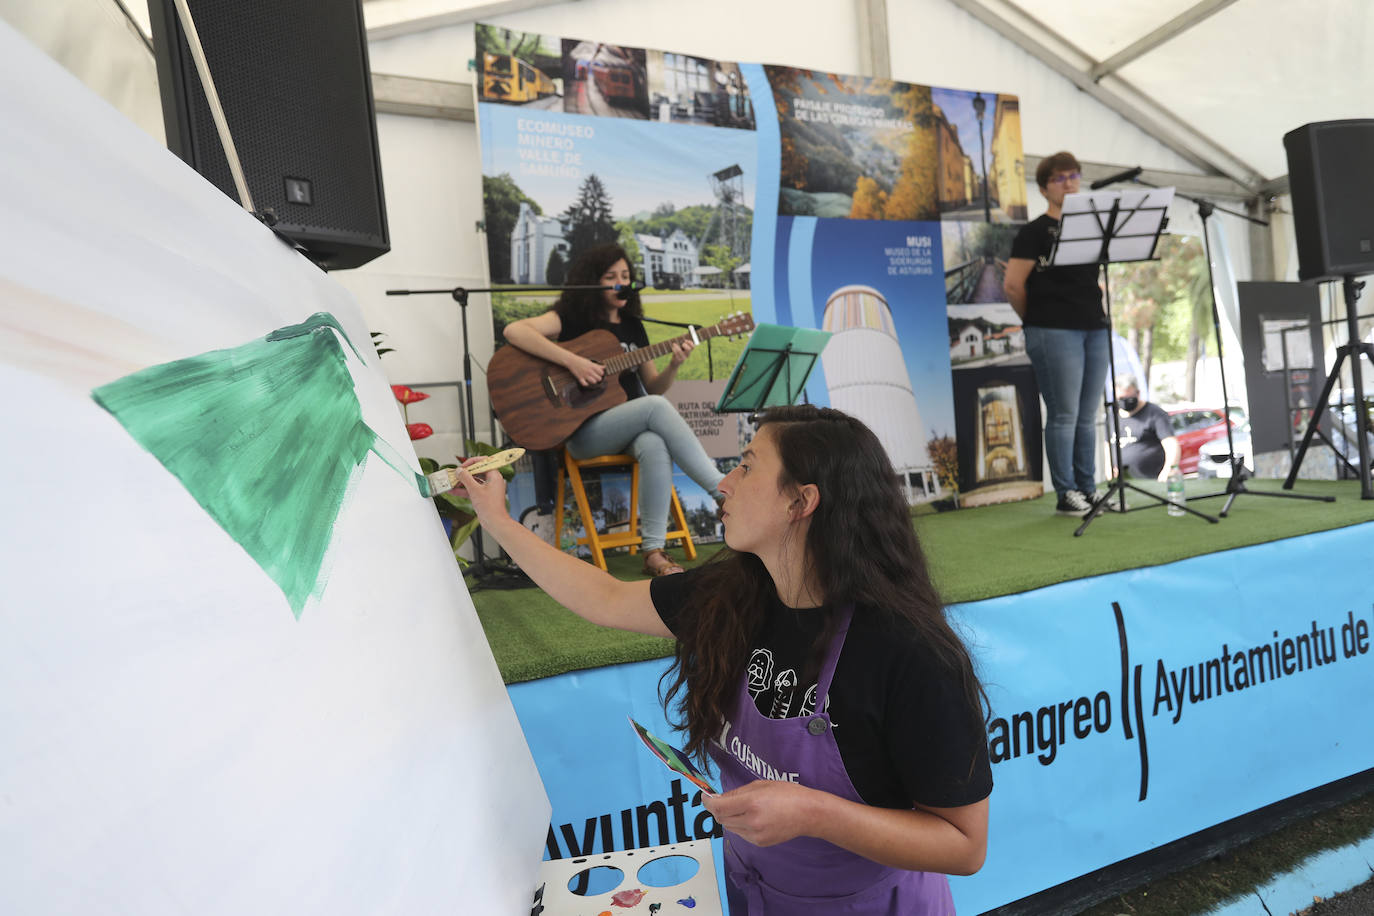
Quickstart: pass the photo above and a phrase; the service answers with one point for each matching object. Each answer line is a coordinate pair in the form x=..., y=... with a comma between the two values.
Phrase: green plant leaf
x=479, y=448
x=475, y=447
x=460, y=535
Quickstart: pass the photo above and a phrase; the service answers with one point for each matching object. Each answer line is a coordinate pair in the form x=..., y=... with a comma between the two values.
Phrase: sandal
x=665, y=567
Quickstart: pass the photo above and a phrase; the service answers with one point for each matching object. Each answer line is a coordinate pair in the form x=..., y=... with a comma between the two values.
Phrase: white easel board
x=177, y=739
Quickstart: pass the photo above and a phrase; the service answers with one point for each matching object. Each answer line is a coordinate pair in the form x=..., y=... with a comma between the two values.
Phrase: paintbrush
x=445, y=479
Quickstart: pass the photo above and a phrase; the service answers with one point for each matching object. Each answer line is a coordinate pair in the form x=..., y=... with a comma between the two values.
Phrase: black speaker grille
x=293, y=79
x=1331, y=177
x=1345, y=164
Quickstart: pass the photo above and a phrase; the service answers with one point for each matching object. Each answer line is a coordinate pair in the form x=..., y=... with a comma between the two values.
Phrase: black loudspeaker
x=294, y=82
x=1331, y=177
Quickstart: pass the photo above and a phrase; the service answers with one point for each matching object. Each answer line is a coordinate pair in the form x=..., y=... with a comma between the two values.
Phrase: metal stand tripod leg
x=1118, y=483
x=1121, y=485
x=1236, y=485
x=1353, y=349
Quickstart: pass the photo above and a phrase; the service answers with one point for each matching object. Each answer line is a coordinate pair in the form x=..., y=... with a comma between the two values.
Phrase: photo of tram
x=615, y=80
x=519, y=68
x=510, y=79
x=605, y=80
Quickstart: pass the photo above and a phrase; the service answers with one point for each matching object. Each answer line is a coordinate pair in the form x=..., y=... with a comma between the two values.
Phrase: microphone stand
x=485, y=574
x=1235, y=486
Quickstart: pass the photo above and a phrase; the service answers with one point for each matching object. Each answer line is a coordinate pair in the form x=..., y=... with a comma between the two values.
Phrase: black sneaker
x=1072, y=503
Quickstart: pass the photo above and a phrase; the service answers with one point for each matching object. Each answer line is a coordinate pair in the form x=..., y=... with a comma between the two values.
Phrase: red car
x=1194, y=426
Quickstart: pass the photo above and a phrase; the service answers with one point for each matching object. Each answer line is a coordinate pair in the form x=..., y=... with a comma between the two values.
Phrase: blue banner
x=1129, y=710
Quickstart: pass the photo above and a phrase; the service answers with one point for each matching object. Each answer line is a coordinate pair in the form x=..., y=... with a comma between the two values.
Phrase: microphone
x=1128, y=175
x=623, y=290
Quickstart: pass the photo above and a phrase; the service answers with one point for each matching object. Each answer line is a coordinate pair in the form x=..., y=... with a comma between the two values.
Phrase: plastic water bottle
x=1176, y=497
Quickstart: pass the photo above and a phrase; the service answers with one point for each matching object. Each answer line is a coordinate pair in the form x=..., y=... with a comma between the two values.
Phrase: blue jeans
x=652, y=430
x=1070, y=368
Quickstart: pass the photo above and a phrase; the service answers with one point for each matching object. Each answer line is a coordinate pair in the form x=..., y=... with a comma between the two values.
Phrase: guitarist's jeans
x=650, y=429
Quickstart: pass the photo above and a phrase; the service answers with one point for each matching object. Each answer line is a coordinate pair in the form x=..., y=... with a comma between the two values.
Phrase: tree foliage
x=588, y=218
x=501, y=199
x=556, y=271
x=1163, y=307
x=913, y=196
x=944, y=455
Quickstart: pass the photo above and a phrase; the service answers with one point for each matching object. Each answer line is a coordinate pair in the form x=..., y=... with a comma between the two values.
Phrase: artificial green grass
x=973, y=554
x=1031, y=547
x=1239, y=871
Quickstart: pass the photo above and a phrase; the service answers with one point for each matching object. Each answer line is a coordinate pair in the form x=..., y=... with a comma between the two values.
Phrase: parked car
x=1214, y=458
x=1193, y=425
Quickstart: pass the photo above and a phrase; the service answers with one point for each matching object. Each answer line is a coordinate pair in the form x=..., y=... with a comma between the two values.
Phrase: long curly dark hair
x=860, y=548
x=587, y=307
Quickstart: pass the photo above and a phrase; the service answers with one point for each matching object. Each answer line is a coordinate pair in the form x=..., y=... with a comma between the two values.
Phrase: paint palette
x=672, y=880
x=445, y=479
x=673, y=758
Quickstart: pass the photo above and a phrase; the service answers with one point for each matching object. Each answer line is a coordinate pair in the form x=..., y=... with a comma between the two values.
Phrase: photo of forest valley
x=855, y=146
x=975, y=256
x=867, y=148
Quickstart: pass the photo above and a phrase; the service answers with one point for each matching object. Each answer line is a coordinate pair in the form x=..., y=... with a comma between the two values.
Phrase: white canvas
x=176, y=738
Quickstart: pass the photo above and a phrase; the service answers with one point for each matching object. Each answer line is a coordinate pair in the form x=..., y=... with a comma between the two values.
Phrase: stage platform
x=974, y=554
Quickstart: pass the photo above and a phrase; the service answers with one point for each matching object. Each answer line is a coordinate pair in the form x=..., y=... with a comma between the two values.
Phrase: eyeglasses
x=1065, y=176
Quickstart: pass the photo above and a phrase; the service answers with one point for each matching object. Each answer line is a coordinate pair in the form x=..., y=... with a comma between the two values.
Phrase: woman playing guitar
x=646, y=426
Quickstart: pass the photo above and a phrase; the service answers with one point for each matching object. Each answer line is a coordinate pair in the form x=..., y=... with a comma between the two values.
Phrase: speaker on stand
x=1332, y=184
x=295, y=85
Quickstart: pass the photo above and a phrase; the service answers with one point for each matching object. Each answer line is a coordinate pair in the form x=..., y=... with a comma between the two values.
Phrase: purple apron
x=805, y=875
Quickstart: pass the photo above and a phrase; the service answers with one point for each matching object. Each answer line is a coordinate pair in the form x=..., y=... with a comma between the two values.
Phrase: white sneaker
x=1073, y=503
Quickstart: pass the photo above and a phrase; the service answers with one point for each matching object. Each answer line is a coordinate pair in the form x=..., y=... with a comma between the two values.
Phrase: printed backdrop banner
x=1128, y=711
x=877, y=210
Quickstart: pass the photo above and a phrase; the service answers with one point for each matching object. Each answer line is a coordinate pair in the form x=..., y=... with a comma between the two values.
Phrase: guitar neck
x=632, y=358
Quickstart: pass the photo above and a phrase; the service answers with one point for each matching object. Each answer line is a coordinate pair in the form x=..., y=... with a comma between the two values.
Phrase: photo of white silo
x=867, y=377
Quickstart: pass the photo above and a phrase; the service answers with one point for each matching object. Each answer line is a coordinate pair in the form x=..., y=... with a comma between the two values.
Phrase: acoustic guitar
x=540, y=404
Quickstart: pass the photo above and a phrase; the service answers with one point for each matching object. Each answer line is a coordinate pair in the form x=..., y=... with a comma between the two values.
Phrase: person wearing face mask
x=1066, y=338
x=1149, y=448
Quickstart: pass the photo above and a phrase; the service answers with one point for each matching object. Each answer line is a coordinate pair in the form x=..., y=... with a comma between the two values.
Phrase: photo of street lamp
x=980, y=105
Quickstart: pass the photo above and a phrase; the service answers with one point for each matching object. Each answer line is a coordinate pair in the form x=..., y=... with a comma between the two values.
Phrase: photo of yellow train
x=509, y=79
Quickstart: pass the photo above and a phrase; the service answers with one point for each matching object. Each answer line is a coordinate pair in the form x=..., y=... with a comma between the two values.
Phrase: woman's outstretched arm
x=580, y=587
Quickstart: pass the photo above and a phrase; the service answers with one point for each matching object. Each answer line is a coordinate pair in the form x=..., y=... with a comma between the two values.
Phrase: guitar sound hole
x=575, y=395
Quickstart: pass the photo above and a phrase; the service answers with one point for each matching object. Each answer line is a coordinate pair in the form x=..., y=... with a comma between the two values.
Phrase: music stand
x=773, y=369
x=1108, y=227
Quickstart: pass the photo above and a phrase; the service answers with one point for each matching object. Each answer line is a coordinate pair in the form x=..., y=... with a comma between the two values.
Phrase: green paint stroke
x=268, y=438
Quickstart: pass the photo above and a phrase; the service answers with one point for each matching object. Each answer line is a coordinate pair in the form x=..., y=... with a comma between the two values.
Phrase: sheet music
x=1083, y=223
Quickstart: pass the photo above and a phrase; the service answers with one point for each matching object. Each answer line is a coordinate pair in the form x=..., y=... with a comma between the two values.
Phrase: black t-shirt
x=1141, y=436
x=1057, y=297
x=631, y=334
x=898, y=721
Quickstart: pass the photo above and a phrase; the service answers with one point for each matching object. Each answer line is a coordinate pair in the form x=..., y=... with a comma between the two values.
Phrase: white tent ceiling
x=1227, y=78
x=1218, y=81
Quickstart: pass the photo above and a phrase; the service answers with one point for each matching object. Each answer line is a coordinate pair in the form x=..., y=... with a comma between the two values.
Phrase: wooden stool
x=598, y=543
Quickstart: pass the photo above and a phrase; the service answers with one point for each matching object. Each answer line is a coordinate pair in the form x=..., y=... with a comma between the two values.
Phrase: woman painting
x=816, y=668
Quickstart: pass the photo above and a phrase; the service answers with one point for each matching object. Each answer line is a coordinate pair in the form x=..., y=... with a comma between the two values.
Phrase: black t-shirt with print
x=1057, y=297
x=1141, y=435
x=631, y=334
x=899, y=724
